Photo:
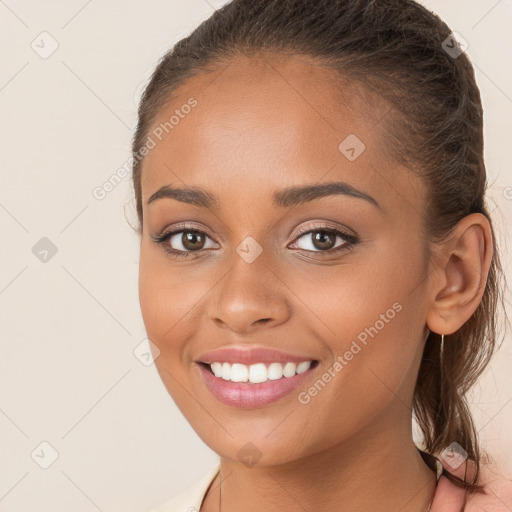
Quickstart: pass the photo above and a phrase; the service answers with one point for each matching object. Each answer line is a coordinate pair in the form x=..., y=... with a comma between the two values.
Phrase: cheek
x=370, y=315
x=348, y=301
x=167, y=311
x=173, y=301
x=165, y=303
x=372, y=369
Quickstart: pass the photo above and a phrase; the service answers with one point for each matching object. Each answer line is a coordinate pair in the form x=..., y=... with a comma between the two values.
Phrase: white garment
x=190, y=499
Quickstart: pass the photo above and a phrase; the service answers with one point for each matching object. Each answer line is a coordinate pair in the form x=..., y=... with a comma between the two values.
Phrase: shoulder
x=191, y=498
x=497, y=496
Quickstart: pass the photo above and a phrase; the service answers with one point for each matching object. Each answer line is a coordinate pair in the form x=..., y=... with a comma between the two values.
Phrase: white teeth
x=289, y=369
x=226, y=371
x=217, y=369
x=239, y=373
x=256, y=373
x=304, y=366
x=275, y=371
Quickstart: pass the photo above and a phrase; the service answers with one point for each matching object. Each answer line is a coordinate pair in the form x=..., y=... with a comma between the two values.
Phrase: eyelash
x=351, y=240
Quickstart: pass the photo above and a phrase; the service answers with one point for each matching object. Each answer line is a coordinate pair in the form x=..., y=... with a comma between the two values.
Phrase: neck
x=379, y=470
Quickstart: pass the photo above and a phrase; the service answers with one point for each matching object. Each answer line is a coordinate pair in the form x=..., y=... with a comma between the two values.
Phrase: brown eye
x=324, y=240
x=183, y=242
x=192, y=240
x=186, y=241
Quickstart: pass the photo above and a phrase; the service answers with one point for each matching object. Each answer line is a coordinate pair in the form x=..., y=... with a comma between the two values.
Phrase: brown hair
x=398, y=49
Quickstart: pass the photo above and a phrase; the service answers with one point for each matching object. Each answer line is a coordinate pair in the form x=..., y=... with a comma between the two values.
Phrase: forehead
x=266, y=122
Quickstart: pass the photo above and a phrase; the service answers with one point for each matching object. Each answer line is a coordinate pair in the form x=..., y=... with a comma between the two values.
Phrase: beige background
x=70, y=325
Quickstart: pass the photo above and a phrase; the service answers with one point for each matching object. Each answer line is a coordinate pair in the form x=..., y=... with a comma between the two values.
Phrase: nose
x=249, y=297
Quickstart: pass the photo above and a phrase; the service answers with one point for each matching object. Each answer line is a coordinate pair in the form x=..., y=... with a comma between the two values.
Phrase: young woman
x=318, y=264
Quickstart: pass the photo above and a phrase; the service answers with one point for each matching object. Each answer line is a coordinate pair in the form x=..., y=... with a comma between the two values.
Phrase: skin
x=497, y=496
x=263, y=124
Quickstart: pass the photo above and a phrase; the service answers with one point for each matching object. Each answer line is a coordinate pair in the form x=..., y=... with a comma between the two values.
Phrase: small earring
x=442, y=349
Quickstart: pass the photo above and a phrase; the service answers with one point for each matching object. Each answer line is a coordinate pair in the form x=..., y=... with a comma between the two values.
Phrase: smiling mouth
x=259, y=372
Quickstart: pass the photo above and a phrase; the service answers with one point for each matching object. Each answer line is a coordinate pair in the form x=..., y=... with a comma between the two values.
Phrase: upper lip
x=250, y=355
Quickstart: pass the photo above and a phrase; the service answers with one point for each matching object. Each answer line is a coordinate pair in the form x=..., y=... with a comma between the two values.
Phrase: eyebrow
x=286, y=198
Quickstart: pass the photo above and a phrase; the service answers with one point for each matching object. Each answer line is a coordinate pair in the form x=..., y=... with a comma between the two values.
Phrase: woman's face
x=255, y=132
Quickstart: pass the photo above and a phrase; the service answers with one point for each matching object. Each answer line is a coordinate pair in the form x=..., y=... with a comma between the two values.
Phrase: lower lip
x=246, y=395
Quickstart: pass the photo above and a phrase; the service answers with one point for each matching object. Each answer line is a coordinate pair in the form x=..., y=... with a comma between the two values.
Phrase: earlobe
x=463, y=266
